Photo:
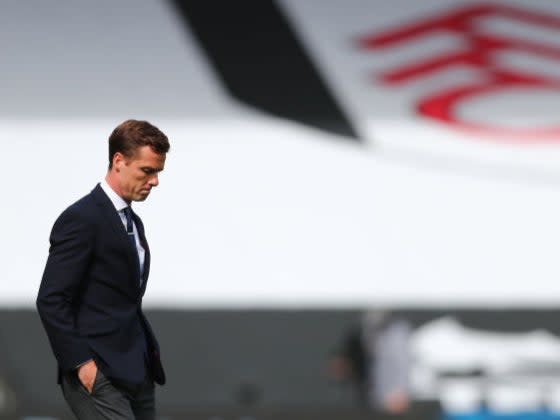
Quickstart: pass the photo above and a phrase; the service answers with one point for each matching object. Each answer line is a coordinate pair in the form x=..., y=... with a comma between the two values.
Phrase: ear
x=118, y=161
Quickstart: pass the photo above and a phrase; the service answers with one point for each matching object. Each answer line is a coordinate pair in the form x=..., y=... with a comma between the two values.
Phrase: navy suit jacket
x=90, y=298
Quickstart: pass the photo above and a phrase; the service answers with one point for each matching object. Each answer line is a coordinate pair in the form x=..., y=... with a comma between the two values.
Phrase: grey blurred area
x=217, y=361
x=99, y=59
x=233, y=363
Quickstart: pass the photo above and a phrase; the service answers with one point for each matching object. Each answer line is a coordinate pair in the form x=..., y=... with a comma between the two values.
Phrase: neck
x=111, y=179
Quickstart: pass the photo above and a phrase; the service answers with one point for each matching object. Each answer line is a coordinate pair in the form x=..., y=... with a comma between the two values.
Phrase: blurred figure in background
x=375, y=357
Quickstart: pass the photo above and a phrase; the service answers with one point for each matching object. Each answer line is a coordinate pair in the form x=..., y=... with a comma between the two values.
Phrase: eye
x=148, y=171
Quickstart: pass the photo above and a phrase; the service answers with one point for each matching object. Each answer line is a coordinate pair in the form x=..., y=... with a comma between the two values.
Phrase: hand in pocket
x=86, y=374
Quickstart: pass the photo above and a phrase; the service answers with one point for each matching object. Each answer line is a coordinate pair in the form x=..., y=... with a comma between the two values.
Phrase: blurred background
x=359, y=213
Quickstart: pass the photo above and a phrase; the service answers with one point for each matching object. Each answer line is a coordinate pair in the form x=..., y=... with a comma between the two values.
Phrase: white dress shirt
x=120, y=204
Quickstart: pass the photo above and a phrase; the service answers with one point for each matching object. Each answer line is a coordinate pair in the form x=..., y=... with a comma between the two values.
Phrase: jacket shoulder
x=82, y=209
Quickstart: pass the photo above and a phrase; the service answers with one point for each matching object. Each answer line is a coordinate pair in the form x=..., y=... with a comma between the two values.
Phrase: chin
x=142, y=197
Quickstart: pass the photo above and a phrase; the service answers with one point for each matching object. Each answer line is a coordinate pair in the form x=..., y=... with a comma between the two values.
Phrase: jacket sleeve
x=70, y=253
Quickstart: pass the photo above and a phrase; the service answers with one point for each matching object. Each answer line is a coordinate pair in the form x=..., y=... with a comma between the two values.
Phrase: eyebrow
x=151, y=169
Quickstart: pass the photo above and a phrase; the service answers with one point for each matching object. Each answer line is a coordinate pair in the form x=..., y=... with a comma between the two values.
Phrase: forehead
x=145, y=156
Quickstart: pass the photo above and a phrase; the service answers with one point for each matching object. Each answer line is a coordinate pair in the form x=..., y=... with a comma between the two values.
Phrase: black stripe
x=261, y=62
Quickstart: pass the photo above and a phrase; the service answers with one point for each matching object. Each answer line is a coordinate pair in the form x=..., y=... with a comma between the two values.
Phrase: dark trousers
x=108, y=400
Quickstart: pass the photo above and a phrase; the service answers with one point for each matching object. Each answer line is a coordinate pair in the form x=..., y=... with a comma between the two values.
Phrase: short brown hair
x=132, y=134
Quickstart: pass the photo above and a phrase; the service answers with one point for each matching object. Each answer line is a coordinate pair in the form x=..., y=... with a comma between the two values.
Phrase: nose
x=154, y=181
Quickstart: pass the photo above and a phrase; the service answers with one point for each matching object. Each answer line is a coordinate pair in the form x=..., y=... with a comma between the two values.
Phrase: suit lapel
x=113, y=219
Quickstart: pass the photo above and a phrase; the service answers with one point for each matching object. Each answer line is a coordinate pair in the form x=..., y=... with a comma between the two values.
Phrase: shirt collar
x=116, y=199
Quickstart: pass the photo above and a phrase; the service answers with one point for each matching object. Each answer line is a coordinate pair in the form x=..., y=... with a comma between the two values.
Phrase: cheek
x=141, y=180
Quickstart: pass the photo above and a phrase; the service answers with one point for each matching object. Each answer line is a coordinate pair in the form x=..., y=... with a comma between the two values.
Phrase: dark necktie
x=130, y=232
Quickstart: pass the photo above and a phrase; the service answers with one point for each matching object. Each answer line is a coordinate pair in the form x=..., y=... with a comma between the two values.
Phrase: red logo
x=480, y=52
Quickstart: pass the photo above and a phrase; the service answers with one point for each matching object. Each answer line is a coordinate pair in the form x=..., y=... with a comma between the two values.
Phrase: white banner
x=474, y=82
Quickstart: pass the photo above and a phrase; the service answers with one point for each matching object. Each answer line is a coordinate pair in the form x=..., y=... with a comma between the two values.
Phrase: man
x=375, y=356
x=91, y=292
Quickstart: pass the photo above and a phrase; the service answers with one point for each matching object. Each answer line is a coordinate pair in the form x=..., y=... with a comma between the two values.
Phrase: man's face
x=138, y=174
